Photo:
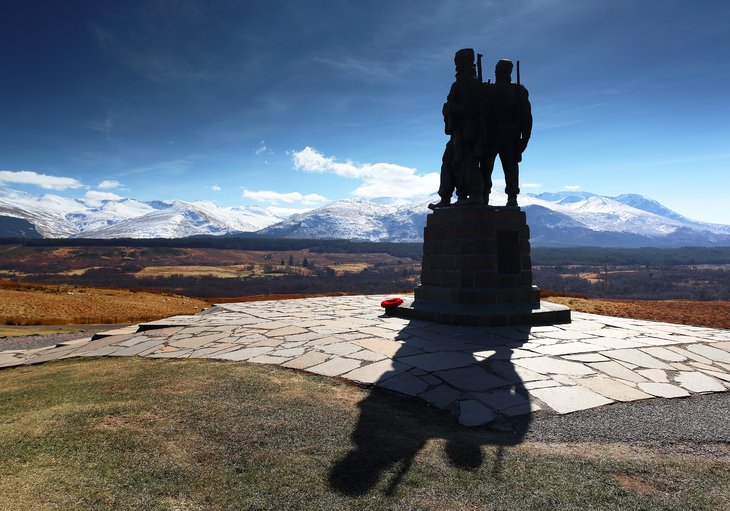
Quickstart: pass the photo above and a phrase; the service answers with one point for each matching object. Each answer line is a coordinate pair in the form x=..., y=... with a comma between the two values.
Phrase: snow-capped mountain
x=58, y=217
x=556, y=219
x=181, y=219
x=343, y=219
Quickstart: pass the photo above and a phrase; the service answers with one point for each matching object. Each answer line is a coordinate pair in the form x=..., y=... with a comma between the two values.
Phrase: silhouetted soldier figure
x=460, y=164
x=508, y=124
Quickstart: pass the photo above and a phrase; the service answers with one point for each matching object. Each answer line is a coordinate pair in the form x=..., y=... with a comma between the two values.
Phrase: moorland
x=46, y=281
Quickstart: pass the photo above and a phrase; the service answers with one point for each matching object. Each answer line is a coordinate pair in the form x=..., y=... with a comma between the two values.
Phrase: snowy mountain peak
x=562, y=218
x=59, y=217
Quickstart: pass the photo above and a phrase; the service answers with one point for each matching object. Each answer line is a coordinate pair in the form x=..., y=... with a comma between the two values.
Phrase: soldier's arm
x=458, y=103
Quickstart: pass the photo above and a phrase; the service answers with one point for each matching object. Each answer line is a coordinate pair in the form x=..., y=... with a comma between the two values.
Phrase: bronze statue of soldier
x=460, y=162
x=507, y=121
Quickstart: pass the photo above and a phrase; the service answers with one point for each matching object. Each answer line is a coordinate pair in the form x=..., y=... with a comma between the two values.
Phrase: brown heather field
x=685, y=312
x=37, y=304
x=41, y=304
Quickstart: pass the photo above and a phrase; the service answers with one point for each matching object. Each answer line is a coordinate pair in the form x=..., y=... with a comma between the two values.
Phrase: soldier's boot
x=443, y=203
x=512, y=201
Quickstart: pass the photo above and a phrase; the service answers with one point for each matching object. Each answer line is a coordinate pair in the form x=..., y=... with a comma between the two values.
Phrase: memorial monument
x=477, y=269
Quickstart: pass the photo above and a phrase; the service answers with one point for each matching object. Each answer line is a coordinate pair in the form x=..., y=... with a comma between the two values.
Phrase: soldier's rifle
x=481, y=133
x=519, y=113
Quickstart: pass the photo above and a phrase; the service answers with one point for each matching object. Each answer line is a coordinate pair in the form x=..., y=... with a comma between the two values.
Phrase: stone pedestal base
x=477, y=270
x=546, y=313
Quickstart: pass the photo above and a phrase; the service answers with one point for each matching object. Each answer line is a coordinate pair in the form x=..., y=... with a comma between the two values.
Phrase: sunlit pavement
x=476, y=373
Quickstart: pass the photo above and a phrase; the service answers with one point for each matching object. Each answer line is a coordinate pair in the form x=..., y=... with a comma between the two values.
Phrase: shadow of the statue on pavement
x=467, y=371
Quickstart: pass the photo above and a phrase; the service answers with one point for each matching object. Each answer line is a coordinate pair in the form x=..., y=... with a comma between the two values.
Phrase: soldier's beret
x=464, y=57
x=504, y=66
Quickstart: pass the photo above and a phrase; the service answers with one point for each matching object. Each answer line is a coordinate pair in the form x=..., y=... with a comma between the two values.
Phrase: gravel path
x=697, y=425
x=27, y=342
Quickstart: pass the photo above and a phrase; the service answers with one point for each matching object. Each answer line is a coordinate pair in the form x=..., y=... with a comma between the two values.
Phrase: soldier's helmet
x=503, y=69
x=464, y=59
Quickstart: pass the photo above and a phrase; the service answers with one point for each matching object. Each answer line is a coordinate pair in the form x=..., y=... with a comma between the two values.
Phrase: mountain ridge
x=566, y=218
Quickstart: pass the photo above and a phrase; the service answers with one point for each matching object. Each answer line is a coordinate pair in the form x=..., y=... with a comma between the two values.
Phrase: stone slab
x=377, y=371
x=404, y=383
x=637, y=358
x=507, y=402
x=439, y=361
x=617, y=370
x=309, y=359
x=663, y=390
x=441, y=397
x=547, y=365
x=474, y=413
x=612, y=389
x=570, y=399
x=699, y=382
x=335, y=366
x=472, y=378
x=714, y=354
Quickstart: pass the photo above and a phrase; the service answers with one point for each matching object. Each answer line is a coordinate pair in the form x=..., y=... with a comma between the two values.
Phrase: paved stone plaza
x=477, y=373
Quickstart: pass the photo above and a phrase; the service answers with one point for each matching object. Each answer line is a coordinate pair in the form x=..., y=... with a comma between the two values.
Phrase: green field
x=148, y=434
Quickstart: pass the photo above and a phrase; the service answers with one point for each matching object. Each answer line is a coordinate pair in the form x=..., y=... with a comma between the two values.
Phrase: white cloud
x=108, y=184
x=378, y=179
x=96, y=195
x=262, y=149
x=216, y=188
x=29, y=177
x=531, y=185
x=572, y=188
x=276, y=197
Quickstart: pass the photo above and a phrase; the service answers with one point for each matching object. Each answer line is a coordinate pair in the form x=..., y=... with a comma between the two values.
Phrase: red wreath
x=391, y=302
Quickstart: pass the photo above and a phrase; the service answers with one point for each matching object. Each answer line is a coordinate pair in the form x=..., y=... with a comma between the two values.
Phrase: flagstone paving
x=476, y=373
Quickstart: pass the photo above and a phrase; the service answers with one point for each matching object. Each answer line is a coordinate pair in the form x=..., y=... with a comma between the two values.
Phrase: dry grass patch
x=636, y=484
x=685, y=312
x=59, y=305
x=221, y=272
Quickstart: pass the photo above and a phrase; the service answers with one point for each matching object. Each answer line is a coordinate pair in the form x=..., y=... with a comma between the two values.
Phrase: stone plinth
x=477, y=271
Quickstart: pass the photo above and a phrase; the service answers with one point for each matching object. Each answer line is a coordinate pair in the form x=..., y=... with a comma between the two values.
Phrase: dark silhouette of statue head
x=464, y=61
x=503, y=71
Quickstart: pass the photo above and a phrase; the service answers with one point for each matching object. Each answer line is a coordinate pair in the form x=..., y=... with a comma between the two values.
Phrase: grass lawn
x=133, y=433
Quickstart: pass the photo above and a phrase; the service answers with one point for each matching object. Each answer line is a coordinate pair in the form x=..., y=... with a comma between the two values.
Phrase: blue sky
x=289, y=104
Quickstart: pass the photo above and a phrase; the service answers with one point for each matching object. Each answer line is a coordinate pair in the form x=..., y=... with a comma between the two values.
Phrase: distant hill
x=556, y=219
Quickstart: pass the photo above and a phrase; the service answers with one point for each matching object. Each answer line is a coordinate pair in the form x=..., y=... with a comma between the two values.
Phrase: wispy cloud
x=104, y=126
x=276, y=197
x=531, y=185
x=215, y=188
x=29, y=177
x=572, y=188
x=378, y=179
x=365, y=69
x=168, y=167
x=262, y=149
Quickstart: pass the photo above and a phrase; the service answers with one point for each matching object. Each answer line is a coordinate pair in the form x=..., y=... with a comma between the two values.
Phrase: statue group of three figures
x=483, y=120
